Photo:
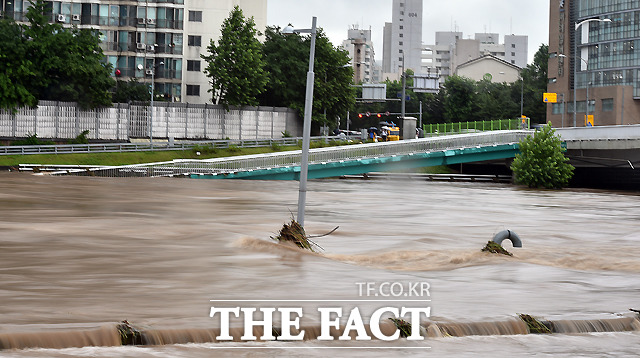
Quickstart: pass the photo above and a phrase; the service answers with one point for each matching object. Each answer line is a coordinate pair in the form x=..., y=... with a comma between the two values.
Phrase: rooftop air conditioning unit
x=151, y=21
x=141, y=46
x=62, y=18
x=148, y=72
x=75, y=17
x=141, y=21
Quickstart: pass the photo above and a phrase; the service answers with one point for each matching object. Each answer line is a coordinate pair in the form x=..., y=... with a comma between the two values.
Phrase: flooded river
x=79, y=255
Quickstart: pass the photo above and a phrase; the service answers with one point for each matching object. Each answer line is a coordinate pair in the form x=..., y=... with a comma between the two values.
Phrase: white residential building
x=452, y=50
x=403, y=37
x=136, y=34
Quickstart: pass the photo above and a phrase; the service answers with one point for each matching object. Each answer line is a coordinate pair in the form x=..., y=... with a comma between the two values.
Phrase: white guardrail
x=625, y=132
x=292, y=158
x=143, y=146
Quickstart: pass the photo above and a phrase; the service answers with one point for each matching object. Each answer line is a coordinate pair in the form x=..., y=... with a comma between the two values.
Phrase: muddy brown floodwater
x=81, y=254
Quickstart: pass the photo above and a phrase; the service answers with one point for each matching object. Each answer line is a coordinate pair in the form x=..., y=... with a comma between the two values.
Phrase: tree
x=535, y=84
x=40, y=60
x=541, y=162
x=131, y=90
x=16, y=69
x=69, y=62
x=287, y=62
x=235, y=66
x=459, y=98
x=493, y=101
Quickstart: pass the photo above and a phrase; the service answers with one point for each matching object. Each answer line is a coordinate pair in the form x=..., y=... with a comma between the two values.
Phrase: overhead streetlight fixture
x=575, y=68
x=308, y=106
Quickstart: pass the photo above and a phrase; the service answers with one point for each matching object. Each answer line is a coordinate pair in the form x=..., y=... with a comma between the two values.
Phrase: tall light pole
x=575, y=66
x=404, y=90
x=308, y=107
x=153, y=75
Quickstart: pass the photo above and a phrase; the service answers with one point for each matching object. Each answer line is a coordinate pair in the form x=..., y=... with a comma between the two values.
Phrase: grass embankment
x=130, y=157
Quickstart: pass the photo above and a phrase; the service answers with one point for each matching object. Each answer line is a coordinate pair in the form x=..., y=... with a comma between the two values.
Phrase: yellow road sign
x=550, y=98
x=588, y=121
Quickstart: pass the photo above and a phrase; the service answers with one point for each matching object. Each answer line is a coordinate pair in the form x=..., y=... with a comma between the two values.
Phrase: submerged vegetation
x=495, y=248
x=403, y=326
x=534, y=325
x=294, y=233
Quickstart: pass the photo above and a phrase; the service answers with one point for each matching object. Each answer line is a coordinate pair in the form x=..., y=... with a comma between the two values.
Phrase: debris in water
x=403, y=326
x=496, y=248
x=129, y=336
x=534, y=325
x=295, y=233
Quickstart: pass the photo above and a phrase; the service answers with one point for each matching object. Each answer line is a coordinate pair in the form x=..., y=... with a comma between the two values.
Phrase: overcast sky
x=519, y=17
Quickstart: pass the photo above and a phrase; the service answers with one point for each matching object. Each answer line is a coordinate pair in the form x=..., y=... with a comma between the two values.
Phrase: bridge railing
x=320, y=155
x=475, y=126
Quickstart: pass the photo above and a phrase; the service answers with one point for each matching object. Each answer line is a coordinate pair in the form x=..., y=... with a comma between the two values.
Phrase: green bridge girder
x=381, y=164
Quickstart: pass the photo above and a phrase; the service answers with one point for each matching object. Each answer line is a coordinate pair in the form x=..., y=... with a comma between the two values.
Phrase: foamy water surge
x=605, y=258
x=109, y=336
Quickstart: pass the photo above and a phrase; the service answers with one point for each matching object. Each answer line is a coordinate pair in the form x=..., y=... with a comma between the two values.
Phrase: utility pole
x=404, y=90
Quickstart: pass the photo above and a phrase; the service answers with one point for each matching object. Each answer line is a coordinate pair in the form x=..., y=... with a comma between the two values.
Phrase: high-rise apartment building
x=140, y=36
x=360, y=49
x=601, y=58
x=403, y=37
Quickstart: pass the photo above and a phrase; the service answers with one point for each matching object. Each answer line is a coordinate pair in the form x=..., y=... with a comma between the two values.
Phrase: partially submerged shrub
x=534, y=325
x=541, y=162
x=403, y=326
x=495, y=248
x=295, y=234
x=129, y=336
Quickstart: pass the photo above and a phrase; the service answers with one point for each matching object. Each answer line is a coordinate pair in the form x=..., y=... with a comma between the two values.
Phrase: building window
x=401, y=35
x=557, y=108
x=513, y=54
x=401, y=27
x=401, y=13
x=513, y=45
x=193, y=90
x=401, y=43
x=193, y=65
x=194, y=40
x=195, y=16
x=607, y=105
x=513, y=62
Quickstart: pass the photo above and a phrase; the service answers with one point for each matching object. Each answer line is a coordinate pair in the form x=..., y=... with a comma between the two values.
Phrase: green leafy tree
x=287, y=62
x=16, y=69
x=535, y=77
x=541, y=162
x=41, y=60
x=235, y=66
x=459, y=99
x=69, y=62
x=131, y=90
x=493, y=101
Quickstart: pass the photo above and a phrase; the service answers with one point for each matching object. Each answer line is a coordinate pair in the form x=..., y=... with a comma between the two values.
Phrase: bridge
x=333, y=161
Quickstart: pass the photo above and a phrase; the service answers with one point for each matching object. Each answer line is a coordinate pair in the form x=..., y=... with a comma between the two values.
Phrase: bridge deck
x=334, y=161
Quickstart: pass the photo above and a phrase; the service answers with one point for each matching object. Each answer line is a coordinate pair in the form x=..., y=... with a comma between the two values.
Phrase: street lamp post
x=404, y=91
x=153, y=75
x=575, y=67
x=306, y=129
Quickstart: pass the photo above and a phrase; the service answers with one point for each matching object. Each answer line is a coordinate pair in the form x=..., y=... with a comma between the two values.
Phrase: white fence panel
x=64, y=120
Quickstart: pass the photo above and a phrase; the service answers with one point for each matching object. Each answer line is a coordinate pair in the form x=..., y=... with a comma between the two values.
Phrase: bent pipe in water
x=507, y=235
